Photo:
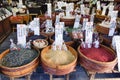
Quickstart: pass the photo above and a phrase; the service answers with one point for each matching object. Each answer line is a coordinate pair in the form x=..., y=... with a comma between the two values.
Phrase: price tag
x=49, y=9
x=57, y=19
x=98, y=5
x=115, y=14
x=104, y=10
x=111, y=8
x=36, y=22
x=82, y=7
x=59, y=35
x=77, y=20
x=117, y=43
x=21, y=34
x=89, y=32
x=36, y=30
x=88, y=36
x=89, y=26
x=85, y=20
x=112, y=28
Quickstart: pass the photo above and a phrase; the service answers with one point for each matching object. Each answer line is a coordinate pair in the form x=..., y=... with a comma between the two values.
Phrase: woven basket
x=19, y=71
x=68, y=22
x=43, y=18
x=47, y=34
x=97, y=66
x=58, y=69
x=102, y=29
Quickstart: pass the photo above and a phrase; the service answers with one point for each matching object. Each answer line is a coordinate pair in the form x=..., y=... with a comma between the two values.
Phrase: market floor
x=79, y=74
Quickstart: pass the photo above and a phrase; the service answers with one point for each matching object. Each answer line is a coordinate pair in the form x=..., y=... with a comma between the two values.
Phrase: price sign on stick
x=21, y=34
x=36, y=25
x=49, y=9
x=59, y=35
x=89, y=32
x=112, y=27
x=117, y=43
x=104, y=10
x=77, y=21
x=98, y=5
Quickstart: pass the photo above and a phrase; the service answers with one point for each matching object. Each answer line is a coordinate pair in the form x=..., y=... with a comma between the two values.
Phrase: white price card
x=111, y=8
x=57, y=19
x=89, y=32
x=89, y=26
x=49, y=9
x=77, y=21
x=88, y=36
x=36, y=22
x=117, y=43
x=21, y=34
x=36, y=31
x=115, y=14
x=85, y=20
x=112, y=28
x=58, y=34
x=104, y=10
x=82, y=7
x=98, y=5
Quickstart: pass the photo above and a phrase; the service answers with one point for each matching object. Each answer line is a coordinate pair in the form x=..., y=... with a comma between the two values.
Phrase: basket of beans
x=102, y=59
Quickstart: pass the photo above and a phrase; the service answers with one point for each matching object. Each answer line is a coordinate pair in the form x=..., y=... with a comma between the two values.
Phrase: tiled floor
x=79, y=74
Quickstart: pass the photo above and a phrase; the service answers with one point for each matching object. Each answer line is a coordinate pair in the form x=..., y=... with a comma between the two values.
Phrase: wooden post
x=12, y=78
x=67, y=77
x=28, y=77
x=51, y=76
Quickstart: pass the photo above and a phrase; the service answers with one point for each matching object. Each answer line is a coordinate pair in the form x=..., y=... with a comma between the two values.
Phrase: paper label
x=58, y=35
x=85, y=20
x=111, y=8
x=57, y=19
x=117, y=43
x=89, y=26
x=48, y=23
x=21, y=34
x=49, y=9
x=115, y=14
x=112, y=28
x=36, y=31
x=82, y=7
x=77, y=21
x=104, y=10
x=89, y=32
x=98, y=5
x=36, y=22
x=88, y=36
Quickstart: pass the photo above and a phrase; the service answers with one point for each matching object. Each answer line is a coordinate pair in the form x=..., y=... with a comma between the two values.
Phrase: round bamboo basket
x=44, y=18
x=48, y=34
x=34, y=37
x=102, y=29
x=92, y=65
x=19, y=71
x=68, y=22
x=58, y=69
